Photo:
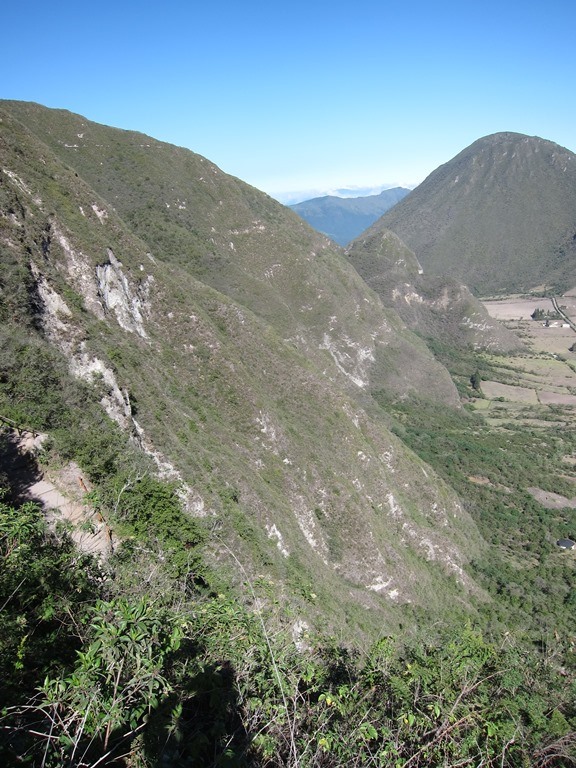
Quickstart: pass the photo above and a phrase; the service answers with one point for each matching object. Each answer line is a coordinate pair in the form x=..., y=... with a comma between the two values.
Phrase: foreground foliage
x=144, y=681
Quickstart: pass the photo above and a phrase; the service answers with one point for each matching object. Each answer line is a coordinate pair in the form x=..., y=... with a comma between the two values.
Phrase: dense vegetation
x=94, y=677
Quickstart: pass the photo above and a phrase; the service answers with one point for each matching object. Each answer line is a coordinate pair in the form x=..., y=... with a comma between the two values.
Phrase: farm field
x=537, y=386
x=516, y=311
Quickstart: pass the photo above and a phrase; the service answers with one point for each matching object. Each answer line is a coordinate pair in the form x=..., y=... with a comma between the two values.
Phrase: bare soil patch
x=61, y=496
x=556, y=398
x=479, y=480
x=551, y=500
x=494, y=389
x=516, y=307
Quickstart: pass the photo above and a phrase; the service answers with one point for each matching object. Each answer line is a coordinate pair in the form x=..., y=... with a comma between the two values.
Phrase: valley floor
x=545, y=374
x=537, y=387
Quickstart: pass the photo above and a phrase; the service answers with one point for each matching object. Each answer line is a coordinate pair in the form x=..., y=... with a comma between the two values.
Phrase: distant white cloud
x=297, y=196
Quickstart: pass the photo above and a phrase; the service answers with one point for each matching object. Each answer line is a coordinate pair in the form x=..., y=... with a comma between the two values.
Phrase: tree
x=476, y=381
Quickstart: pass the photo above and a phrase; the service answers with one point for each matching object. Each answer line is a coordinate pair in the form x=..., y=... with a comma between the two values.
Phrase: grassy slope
x=498, y=217
x=270, y=443
x=244, y=244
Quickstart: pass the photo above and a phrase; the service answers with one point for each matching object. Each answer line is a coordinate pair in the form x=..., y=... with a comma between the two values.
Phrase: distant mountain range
x=500, y=216
x=343, y=219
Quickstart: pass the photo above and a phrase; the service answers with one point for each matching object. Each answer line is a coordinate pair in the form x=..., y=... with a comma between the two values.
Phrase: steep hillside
x=437, y=307
x=342, y=219
x=498, y=217
x=274, y=459
x=238, y=349
x=246, y=246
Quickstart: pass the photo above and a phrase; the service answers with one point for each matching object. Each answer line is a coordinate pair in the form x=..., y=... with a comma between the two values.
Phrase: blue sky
x=303, y=98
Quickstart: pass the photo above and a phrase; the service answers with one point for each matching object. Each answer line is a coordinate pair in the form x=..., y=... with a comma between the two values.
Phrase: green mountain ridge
x=229, y=234
x=498, y=217
x=436, y=307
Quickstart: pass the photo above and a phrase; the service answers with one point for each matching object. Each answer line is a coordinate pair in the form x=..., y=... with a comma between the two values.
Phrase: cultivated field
x=515, y=312
x=539, y=385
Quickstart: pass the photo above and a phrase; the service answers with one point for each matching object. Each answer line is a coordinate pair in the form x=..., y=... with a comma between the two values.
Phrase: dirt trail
x=61, y=496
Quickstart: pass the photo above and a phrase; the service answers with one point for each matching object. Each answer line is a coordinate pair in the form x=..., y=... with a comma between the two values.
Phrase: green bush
x=44, y=584
x=150, y=510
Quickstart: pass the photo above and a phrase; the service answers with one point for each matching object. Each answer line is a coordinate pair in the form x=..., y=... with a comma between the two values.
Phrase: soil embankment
x=60, y=494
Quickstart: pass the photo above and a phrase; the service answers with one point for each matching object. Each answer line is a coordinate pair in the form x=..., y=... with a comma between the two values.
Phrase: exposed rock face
x=78, y=267
x=118, y=296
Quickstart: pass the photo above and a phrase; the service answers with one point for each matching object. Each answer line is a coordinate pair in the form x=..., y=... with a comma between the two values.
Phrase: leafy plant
x=119, y=677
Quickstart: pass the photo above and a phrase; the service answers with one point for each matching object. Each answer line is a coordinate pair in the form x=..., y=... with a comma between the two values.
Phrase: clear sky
x=301, y=98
